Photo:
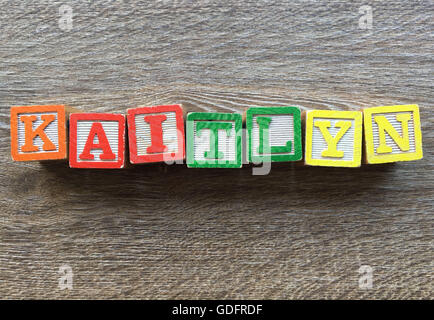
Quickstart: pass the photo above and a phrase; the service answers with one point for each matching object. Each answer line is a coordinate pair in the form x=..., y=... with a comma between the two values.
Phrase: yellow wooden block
x=392, y=134
x=333, y=138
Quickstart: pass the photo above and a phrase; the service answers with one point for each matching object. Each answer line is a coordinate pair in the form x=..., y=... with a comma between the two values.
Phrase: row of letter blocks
x=214, y=140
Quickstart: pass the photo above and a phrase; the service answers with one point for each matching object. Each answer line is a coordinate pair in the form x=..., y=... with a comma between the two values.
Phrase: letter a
x=97, y=130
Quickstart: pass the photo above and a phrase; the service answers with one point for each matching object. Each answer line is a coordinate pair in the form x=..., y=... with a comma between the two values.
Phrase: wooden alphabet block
x=96, y=140
x=38, y=133
x=392, y=133
x=156, y=134
x=274, y=134
x=333, y=138
x=214, y=140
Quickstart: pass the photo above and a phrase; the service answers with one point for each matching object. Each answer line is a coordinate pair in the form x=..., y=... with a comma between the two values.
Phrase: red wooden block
x=96, y=140
x=156, y=134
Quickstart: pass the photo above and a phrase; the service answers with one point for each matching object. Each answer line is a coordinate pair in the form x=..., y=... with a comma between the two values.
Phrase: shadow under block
x=156, y=134
x=392, y=133
x=274, y=134
x=38, y=133
x=96, y=140
x=214, y=140
x=333, y=138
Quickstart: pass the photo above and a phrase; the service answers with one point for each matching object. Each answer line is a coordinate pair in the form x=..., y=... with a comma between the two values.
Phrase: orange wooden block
x=38, y=133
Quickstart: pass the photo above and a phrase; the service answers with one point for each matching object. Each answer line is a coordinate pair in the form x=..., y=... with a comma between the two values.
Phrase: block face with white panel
x=96, y=140
x=38, y=133
x=156, y=134
x=214, y=140
x=274, y=134
x=333, y=138
x=392, y=133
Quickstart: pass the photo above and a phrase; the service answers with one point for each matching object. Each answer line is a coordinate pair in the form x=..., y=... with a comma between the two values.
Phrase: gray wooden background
x=161, y=231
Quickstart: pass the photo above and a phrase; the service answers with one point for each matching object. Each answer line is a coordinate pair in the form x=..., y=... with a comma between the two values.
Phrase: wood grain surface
x=158, y=231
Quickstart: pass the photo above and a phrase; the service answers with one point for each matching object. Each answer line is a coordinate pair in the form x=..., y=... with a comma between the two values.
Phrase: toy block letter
x=155, y=123
x=274, y=134
x=214, y=140
x=333, y=138
x=213, y=152
x=332, y=142
x=30, y=134
x=156, y=134
x=96, y=140
x=38, y=133
x=392, y=133
x=384, y=125
x=97, y=131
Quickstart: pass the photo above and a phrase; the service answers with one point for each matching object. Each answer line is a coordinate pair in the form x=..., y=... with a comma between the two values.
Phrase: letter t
x=213, y=126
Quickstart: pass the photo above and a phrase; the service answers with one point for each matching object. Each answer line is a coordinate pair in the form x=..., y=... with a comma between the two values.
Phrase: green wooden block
x=274, y=134
x=214, y=140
